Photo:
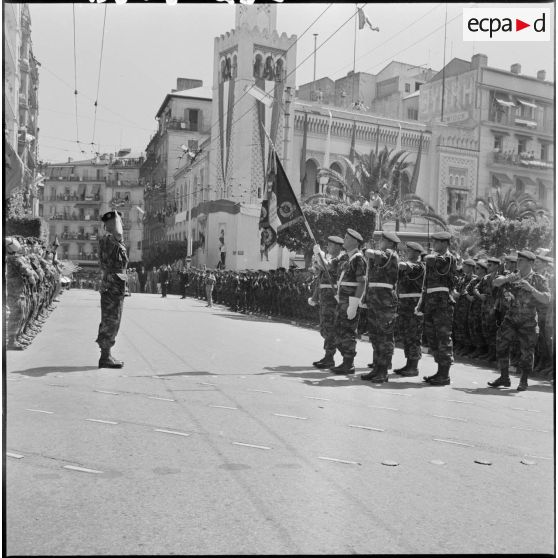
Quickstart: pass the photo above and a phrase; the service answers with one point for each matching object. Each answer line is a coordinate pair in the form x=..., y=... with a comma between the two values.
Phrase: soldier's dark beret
x=494, y=260
x=335, y=239
x=528, y=255
x=441, y=235
x=110, y=215
x=482, y=264
x=470, y=262
x=391, y=236
x=415, y=246
x=546, y=259
x=511, y=258
x=355, y=235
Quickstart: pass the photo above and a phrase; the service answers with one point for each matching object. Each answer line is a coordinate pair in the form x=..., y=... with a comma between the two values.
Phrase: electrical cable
x=99, y=76
x=75, y=72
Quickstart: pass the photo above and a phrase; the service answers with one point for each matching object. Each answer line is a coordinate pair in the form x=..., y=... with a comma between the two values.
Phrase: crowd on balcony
x=525, y=158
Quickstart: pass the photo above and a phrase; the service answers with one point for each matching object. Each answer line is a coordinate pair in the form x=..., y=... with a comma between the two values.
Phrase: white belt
x=409, y=295
x=325, y=286
x=380, y=285
x=349, y=284
x=437, y=290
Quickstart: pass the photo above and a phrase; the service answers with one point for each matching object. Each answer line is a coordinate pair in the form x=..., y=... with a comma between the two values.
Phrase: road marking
x=458, y=401
x=103, y=421
x=56, y=385
x=224, y=407
x=539, y=457
x=452, y=442
x=160, y=398
x=438, y=462
x=83, y=469
x=290, y=416
x=528, y=462
x=171, y=432
x=39, y=411
x=450, y=418
x=339, y=460
x=386, y=408
x=109, y=392
x=251, y=446
x=483, y=462
x=529, y=429
x=528, y=410
x=390, y=463
x=395, y=393
x=159, y=377
x=206, y=384
x=367, y=427
x=14, y=455
x=259, y=390
x=318, y=398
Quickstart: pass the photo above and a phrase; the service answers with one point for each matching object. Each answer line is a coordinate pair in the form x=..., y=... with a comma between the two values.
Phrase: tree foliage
x=27, y=227
x=510, y=205
x=326, y=220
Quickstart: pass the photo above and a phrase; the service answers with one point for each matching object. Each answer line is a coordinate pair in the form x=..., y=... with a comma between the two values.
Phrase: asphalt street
x=219, y=437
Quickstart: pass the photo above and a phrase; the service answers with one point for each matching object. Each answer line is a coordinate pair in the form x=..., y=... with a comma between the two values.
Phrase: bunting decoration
x=226, y=102
x=363, y=20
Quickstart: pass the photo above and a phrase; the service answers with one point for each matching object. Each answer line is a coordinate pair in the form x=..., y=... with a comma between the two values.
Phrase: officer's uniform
x=474, y=316
x=488, y=318
x=437, y=306
x=381, y=303
x=409, y=287
x=113, y=260
x=462, y=306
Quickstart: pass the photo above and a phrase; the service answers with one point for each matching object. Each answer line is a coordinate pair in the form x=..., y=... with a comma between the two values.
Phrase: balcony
x=131, y=162
x=517, y=121
x=68, y=217
x=80, y=257
x=23, y=101
x=79, y=237
x=113, y=183
x=75, y=178
x=521, y=160
x=75, y=198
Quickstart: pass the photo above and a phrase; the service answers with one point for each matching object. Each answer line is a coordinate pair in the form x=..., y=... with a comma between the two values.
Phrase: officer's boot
x=326, y=362
x=107, y=360
x=523, y=382
x=379, y=374
x=442, y=376
x=504, y=379
x=403, y=369
x=346, y=367
x=428, y=379
x=411, y=368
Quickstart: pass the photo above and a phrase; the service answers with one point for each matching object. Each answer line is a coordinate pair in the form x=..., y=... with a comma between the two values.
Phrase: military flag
x=363, y=20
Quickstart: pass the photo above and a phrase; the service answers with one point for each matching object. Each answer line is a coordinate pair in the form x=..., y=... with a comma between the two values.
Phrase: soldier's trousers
x=328, y=305
x=112, y=302
x=489, y=327
x=438, y=319
x=460, y=321
x=381, y=328
x=410, y=328
x=345, y=330
x=474, y=324
x=513, y=331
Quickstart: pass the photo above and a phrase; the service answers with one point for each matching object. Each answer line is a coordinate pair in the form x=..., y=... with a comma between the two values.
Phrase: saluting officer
x=437, y=305
x=113, y=260
x=381, y=301
x=350, y=288
x=528, y=289
x=409, y=285
x=325, y=296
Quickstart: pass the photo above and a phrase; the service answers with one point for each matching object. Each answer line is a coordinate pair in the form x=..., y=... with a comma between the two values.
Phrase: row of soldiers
x=422, y=293
x=280, y=293
x=33, y=283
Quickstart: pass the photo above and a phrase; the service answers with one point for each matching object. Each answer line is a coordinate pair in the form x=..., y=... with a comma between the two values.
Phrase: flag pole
x=307, y=225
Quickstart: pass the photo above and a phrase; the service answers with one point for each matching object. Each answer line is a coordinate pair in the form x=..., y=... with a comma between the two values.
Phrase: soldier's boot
x=379, y=374
x=427, y=379
x=346, y=367
x=108, y=361
x=475, y=353
x=402, y=369
x=523, y=382
x=441, y=378
x=503, y=380
x=411, y=368
x=327, y=362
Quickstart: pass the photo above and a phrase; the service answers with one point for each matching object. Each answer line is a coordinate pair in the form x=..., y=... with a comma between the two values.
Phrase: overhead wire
x=75, y=72
x=99, y=76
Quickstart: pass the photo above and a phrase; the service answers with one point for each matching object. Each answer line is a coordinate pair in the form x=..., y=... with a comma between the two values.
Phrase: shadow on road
x=44, y=370
x=244, y=317
x=292, y=369
x=505, y=391
x=192, y=373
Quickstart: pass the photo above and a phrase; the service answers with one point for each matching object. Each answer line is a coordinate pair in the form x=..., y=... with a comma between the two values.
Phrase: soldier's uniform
x=381, y=304
x=474, y=316
x=520, y=325
x=437, y=306
x=542, y=353
x=113, y=260
x=351, y=266
x=488, y=317
x=461, y=312
x=409, y=287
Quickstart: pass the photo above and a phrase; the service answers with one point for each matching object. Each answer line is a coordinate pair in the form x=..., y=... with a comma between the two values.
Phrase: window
x=521, y=145
x=407, y=88
x=412, y=114
x=542, y=193
x=519, y=186
x=498, y=143
x=193, y=145
x=544, y=151
x=192, y=119
x=417, y=85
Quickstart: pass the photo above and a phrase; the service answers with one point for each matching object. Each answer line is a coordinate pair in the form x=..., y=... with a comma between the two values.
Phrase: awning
x=499, y=132
x=527, y=103
x=95, y=189
x=81, y=190
x=502, y=178
x=504, y=102
x=526, y=180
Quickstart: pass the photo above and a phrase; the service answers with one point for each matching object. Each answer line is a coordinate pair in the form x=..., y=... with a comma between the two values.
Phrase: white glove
x=311, y=301
x=316, y=249
x=336, y=297
x=353, y=307
x=363, y=305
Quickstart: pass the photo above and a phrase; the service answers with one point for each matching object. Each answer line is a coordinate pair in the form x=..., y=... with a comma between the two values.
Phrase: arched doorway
x=334, y=184
x=311, y=185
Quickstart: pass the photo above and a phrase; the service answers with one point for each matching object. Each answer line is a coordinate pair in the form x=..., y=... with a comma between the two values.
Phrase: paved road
x=218, y=437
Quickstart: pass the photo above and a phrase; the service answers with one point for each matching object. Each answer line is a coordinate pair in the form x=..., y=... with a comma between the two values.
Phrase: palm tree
x=511, y=205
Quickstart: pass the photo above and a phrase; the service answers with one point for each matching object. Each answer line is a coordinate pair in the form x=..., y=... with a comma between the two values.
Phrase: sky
x=147, y=46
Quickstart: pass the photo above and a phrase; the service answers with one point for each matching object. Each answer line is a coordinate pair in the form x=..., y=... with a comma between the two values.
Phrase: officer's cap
x=355, y=235
x=110, y=215
x=511, y=258
x=415, y=246
x=335, y=239
x=527, y=255
x=470, y=262
x=391, y=236
x=494, y=260
x=546, y=259
x=442, y=235
x=482, y=264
